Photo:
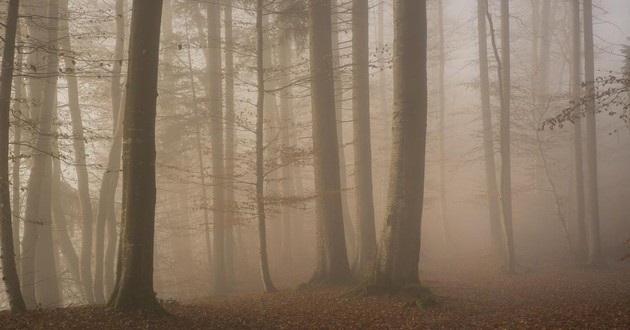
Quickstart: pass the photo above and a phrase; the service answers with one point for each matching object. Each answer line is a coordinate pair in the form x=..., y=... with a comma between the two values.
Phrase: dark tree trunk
x=134, y=283
x=366, y=232
x=332, y=257
x=399, y=251
x=9, y=270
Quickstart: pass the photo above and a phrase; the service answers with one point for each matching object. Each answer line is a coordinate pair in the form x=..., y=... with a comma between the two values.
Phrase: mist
x=255, y=164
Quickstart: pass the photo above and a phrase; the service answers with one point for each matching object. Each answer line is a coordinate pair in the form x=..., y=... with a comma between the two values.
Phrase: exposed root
x=423, y=298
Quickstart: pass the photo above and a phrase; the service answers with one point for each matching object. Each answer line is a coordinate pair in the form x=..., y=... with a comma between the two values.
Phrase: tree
x=260, y=161
x=488, y=141
x=397, y=259
x=134, y=282
x=9, y=271
x=595, y=251
x=215, y=101
x=503, y=77
x=366, y=232
x=332, y=257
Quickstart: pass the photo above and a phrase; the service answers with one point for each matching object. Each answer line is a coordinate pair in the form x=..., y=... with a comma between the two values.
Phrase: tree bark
x=399, y=251
x=134, y=283
x=332, y=257
x=366, y=231
x=9, y=270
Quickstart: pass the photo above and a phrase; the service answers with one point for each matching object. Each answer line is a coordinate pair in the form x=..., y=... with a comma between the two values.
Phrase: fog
x=208, y=207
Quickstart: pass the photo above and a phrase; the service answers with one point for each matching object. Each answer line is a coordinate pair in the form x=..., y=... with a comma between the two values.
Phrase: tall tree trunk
x=442, y=108
x=37, y=64
x=106, y=216
x=215, y=101
x=230, y=143
x=78, y=142
x=134, y=282
x=350, y=232
x=17, y=151
x=9, y=270
x=488, y=140
x=366, y=231
x=399, y=251
x=332, y=256
x=286, y=119
x=578, y=170
x=595, y=257
x=503, y=74
x=260, y=174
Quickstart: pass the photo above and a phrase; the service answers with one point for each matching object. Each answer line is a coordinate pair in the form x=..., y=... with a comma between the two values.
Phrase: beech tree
x=9, y=271
x=332, y=257
x=399, y=249
x=134, y=279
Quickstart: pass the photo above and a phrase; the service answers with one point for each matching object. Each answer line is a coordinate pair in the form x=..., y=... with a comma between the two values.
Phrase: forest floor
x=471, y=295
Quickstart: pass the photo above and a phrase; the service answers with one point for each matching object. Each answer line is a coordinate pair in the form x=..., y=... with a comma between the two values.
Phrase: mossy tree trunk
x=134, y=283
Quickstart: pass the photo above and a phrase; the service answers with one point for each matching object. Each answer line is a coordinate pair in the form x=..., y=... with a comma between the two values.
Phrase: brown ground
x=471, y=296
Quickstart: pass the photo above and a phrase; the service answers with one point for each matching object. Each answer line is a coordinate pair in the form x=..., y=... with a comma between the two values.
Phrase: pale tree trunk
x=366, y=231
x=215, y=101
x=286, y=109
x=78, y=142
x=338, y=83
x=47, y=289
x=578, y=169
x=595, y=257
x=399, y=250
x=442, y=110
x=61, y=225
x=9, y=270
x=199, y=152
x=260, y=170
x=488, y=140
x=37, y=65
x=332, y=257
x=134, y=281
x=231, y=220
x=503, y=75
x=105, y=216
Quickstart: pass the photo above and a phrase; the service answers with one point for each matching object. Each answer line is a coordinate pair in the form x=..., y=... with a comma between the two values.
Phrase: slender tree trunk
x=231, y=220
x=349, y=230
x=399, y=251
x=260, y=175
x=106, y=216
x=9, y=270
x=595, y=257
x=332, y=257
x=17, y=152
x=366, y=231
x=215, y=100
x=578, y=170
x=503, y=74
x=488, y=140
x=78, y=142
x=442, y=109
x=198, y=149
x=286, y=109
x=134, y=283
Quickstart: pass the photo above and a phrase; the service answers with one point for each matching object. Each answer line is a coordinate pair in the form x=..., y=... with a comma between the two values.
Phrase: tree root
x=422, y=297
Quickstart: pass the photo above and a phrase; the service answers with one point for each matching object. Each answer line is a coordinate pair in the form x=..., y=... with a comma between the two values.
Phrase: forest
x=309, y=164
